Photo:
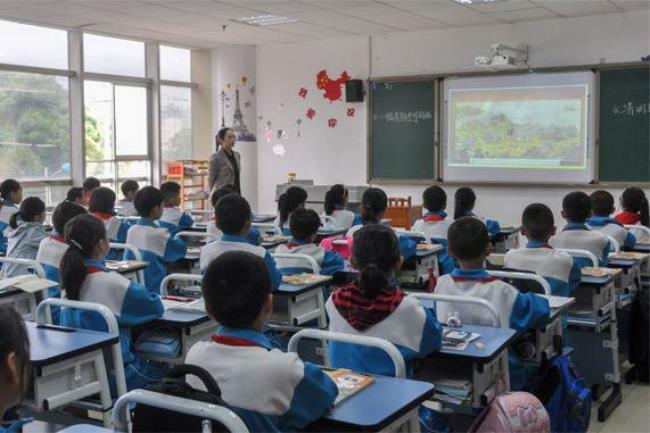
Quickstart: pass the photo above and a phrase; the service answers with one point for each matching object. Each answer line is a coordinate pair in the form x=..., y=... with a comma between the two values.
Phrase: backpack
x=515, y=412
x=565, y=396
x=341, y=245
x=153, y=419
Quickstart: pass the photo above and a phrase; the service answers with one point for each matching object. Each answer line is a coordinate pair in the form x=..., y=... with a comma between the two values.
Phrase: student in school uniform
x=293, y=198
x=254, y=237
x=156, y=244
x=602, y=206
x=24, y=235
x=78, y=196
x=270, y=390
x=53, y=247
x=469, y=245
x=336, y=200
x=304, y=224
x=434, y=223
x=11, y=194
x=172, y=217
x=576, y=209
x=84, y=277
x=635, y=209
x=464, y=202
x=91, y=184
x=102, y=206
x=14, y=365
x=129, y=188
x=233, y=215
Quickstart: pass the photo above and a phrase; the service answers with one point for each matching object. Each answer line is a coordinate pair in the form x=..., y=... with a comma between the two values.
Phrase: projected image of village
x=536, y=128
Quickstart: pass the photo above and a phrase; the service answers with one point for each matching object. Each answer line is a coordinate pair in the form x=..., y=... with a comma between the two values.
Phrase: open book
x=348, y=382
x=456, y=339
x=28, y=283
x=304, y=279
x=600, y=272
x=629, y=255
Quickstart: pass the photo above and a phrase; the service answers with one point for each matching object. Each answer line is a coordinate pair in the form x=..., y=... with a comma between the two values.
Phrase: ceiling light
x=265, y=20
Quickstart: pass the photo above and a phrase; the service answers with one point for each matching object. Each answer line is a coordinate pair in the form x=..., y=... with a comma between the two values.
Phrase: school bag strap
x=182, y=370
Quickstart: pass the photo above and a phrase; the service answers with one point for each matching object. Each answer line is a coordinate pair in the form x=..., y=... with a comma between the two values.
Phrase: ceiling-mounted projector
x=498, y=59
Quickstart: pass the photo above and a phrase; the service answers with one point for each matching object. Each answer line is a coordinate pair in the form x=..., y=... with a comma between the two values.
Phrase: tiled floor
x=632, y=416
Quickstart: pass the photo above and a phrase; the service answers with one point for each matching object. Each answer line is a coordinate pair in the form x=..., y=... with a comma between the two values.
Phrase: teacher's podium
x=402, y=212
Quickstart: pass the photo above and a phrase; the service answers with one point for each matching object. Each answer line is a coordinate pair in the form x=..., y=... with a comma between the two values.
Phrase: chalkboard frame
x=435, y=86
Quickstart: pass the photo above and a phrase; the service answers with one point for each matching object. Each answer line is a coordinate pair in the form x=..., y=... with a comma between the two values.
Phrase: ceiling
x=207, y=23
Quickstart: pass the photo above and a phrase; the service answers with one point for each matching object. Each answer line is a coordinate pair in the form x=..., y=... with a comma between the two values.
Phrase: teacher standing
x=225, y=163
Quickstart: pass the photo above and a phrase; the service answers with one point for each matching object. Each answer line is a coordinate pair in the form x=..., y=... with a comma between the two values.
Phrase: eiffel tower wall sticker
x=239, y=123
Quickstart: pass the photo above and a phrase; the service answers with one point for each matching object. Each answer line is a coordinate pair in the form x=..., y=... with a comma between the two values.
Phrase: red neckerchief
x=362, y=312
x=58, y=238
x=102, y=216
x=234, y=341
x=93, y=269
x=433, y=218
x=292, y=245
x=628, y=218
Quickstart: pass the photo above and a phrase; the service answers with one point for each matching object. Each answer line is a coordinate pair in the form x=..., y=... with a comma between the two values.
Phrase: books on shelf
x=348, y=382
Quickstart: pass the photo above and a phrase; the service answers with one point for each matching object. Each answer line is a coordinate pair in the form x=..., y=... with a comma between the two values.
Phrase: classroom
x=324, y=215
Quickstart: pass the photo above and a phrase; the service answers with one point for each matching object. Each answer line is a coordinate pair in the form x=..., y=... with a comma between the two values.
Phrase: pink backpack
x=515, y=412
x=339, y=244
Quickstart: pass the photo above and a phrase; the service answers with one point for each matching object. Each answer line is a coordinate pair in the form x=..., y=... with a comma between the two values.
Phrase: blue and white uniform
x=7, y=209
x=116, y=230
x=516, y=310
x=157, y=247
x=330, y=262
x=557, y=267
x=22, y=243
x=270, y=390
x=284, y=230
x=127, y=208
x=407, y=246
x=131, y=303
x=175, y=219
x=610, y=227
x=435, y=227
x=50, y=253
x=578, y=237
x=341, y=219
x=493, y=227
x=254, y=237
x=237, y=243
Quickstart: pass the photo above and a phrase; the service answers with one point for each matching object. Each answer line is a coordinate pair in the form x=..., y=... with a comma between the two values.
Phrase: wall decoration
x=350, y=112
x=260, y=117
x=228, y=86
x=224, y=98
x=302, y=92
x=247, y=104
x=332, y=123
x=281, y=106
x=310, y=113
x=252, y=90
x=280, y=133
x=244, y=80
x=298, y=122
x=268, y=133
x=238, y=124
x=279, y=150
x=332, y=89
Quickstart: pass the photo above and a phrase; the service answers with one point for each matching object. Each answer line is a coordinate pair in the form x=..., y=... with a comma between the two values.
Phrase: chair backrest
x=196, y=237
x=29, y=263
x=42, y=318
x=399, y=202
x=531, y=281
x=136, y=256
x=614, y=246
x=296, y=261
x=470, y=300
x=642, y=233
x=202, y=214
x=361, y=340
x=581, y=254
x=164, y=284
x=223, y=415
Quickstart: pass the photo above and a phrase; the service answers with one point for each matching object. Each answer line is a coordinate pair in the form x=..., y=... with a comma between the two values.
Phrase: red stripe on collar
x=93, y=269
x=234, y=341
x=432, y=218
x=102, y=216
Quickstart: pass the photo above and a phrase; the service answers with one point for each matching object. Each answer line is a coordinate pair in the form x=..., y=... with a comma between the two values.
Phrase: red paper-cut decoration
x=302, y=92
x=331, y=123
x=332, y=89
x=310, y=113
x=350, y=112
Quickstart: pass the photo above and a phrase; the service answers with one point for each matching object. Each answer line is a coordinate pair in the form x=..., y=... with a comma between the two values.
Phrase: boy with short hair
x=254, y=235
x=233, y=215
x=90, y=184
x=576, y=208
x=172, y=217
x=304, y=225
x=434, y=224
x=602, y=207
x=129, y=188
x=557, y=267
x=270, y=390
x=78, y=195
x=469, y=245
x=156, y=244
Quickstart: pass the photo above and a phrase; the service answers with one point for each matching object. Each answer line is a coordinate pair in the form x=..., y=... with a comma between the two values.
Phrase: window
x=27, y=45
x=175, y=64
x=176, y=123
x=34, y=126
x=113, y=56
x=52, y=195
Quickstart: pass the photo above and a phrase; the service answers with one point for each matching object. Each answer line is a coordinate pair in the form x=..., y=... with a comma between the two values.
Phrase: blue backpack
x=565, y=396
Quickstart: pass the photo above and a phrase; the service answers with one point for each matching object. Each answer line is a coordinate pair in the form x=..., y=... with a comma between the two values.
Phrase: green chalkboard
x=402, y=130
x=624, y=127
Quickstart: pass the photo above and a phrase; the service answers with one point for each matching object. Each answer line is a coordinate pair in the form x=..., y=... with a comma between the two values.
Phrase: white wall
x=330, y=155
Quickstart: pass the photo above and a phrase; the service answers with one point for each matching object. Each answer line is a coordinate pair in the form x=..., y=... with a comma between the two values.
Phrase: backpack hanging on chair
x=515, y=412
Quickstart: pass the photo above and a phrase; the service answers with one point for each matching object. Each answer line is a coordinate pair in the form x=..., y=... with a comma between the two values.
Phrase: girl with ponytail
x=24, y=235
x=336, y=200
x=84, y=277
x=374, y=203
x=293, y=198
x=11, y=194
x=464, y=201
x=635, y=207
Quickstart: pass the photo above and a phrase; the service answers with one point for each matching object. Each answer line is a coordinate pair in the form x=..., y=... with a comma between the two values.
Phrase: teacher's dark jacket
x=221, y=171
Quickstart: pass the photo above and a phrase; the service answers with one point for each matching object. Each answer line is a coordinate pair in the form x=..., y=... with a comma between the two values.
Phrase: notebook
x=456, y=339
x=27, y=283
x=348, y=383
x=304, y=279
x=600, y=272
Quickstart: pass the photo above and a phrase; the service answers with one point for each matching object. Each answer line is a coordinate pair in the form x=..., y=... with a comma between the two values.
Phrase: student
x=602, y=206
x=172, y=217
x=102, y=206
x=434, y=224
x=576, y=208
x=84, y=277
x=336, y=200
x=129, y=188
x=14, y=366
x=270, y=390
x=465, y=199
x=557, y=267
x=24, y=235
x=156, y=245
x=233, y=215
x=373, y=306
x=254, y=237
x=304, y=224
x=78, y=196
x=635, y=207
x=91, y=184
x=293, y=198
x=469, y=245
x=53, y=247
x=11, y=194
